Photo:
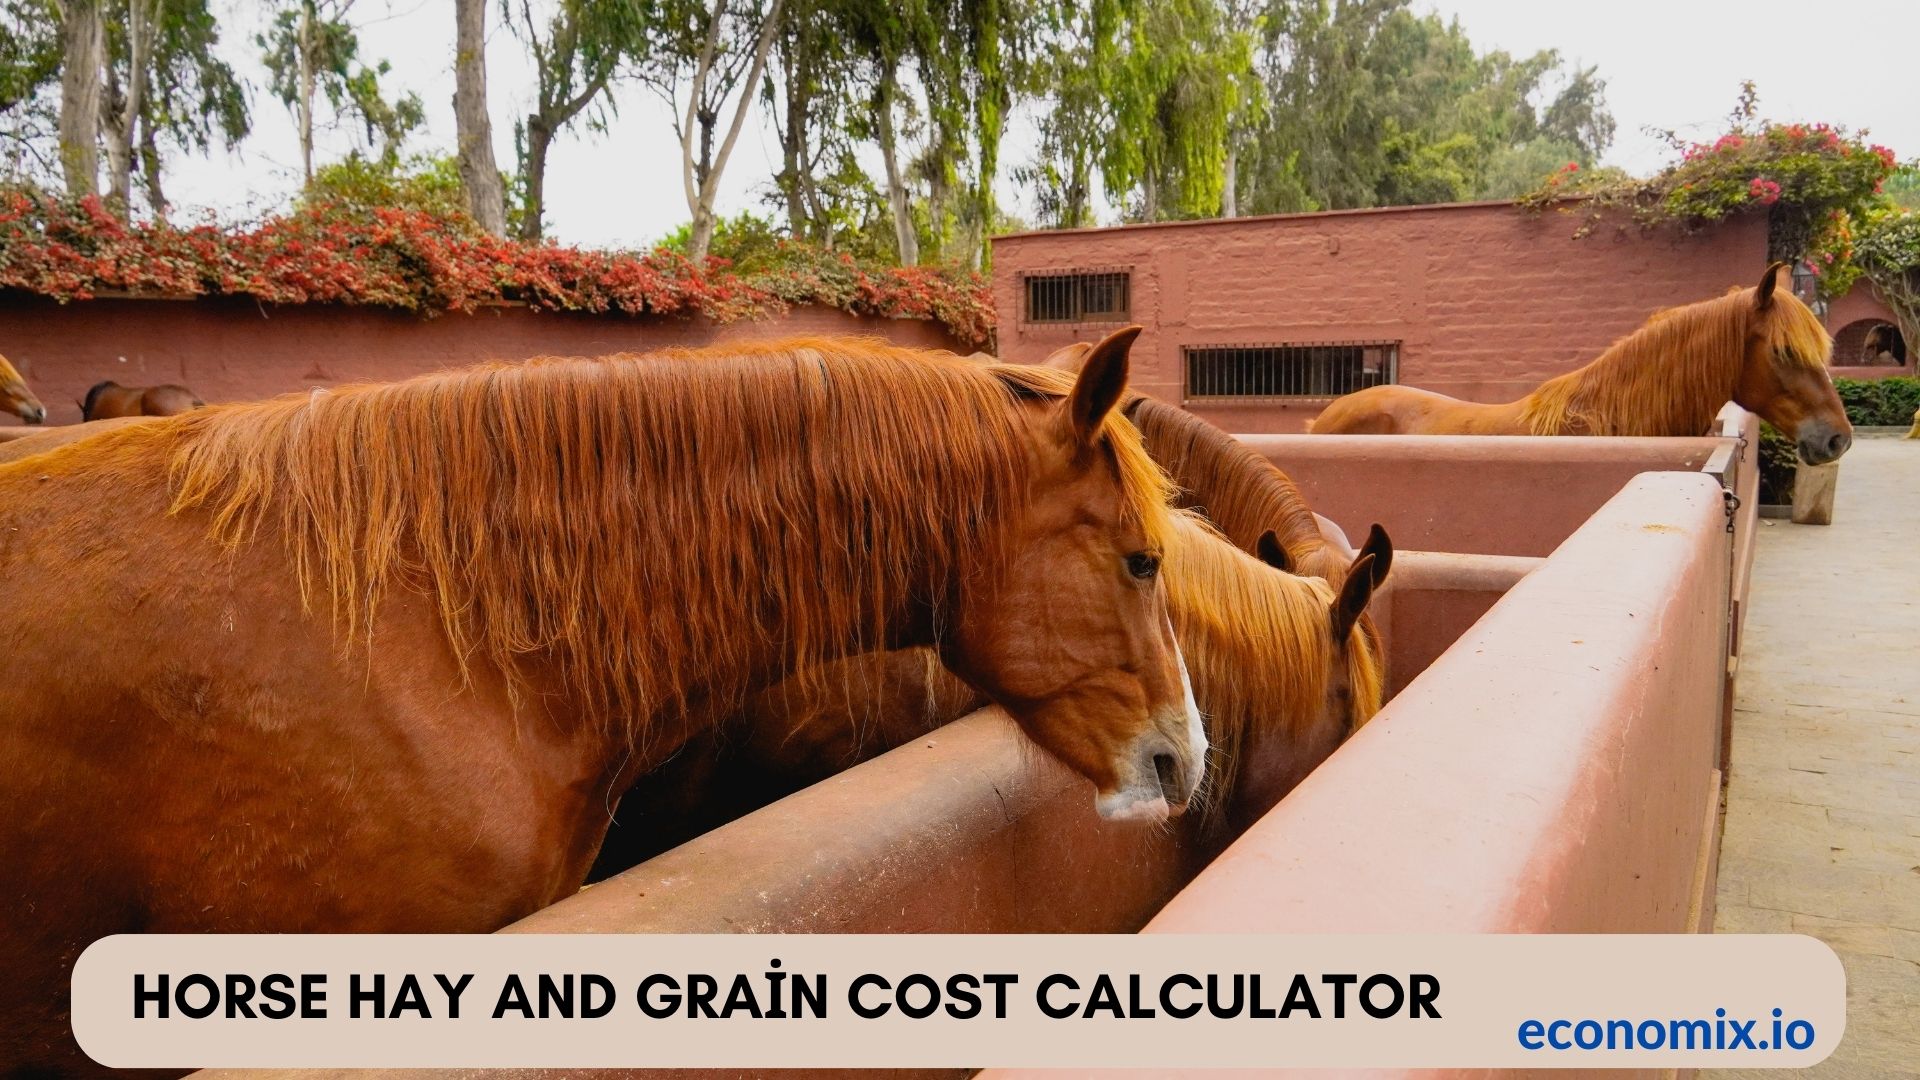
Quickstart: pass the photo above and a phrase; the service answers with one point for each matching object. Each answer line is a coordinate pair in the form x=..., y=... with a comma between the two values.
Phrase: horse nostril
x=1837, y=443
x=1171, y=784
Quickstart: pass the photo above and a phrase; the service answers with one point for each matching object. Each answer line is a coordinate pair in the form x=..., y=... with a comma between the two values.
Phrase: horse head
x=1784, y=377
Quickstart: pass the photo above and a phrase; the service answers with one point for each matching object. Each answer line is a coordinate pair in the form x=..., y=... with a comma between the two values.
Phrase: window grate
x=1315, y=370
x=1079, y=296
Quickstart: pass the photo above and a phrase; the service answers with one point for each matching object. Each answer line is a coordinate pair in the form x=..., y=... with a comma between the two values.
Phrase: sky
x=1671, y=63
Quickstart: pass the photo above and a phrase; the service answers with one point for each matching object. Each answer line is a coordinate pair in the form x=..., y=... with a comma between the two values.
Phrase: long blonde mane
x=1258, y=645
x=647, y=525
x=1671, y=376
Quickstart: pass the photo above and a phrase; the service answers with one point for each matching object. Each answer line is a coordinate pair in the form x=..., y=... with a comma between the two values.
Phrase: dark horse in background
x=109, y=399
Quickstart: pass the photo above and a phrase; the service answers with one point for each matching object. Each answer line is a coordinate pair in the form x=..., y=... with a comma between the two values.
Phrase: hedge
x=415, y=260
x=1880, y=402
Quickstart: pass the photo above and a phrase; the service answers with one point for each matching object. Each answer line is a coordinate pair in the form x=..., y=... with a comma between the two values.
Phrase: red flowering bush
x=417, y=260
x=1808, y=178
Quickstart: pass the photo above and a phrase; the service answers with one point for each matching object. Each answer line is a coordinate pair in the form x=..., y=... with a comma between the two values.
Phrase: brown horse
x=1760, y=348
x=1280, y=669
x=107, y=400
x=16, y=398
x=1239, y=491
x=378, y=659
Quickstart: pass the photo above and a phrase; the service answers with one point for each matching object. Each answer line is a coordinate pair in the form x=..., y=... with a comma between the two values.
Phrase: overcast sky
x=1671, y=63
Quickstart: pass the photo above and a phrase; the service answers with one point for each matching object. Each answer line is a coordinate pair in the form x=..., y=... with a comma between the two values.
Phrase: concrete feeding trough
x=1560, y=658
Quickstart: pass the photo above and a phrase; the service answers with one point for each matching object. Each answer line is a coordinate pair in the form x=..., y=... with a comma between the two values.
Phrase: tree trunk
x=126, y=124
x=479, y=176
x=1230, y=194
x=903, y=234
x=702, y=178
x=83, y=54
x=305, y=47
x=150, y=169
x=539, y=140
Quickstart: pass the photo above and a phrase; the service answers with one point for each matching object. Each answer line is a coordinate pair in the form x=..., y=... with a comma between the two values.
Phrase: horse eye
x=1143, y=565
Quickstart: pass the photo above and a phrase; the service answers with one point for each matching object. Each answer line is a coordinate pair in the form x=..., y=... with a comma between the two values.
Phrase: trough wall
x=228, y=349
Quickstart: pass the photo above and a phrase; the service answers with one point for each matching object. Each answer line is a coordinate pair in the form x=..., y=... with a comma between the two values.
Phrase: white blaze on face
x=1141, y=799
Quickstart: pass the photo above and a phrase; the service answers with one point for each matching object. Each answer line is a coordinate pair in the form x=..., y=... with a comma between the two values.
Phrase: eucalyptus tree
x=704, y=58
x=312, y=52
x=473, y=127
x=578, y=51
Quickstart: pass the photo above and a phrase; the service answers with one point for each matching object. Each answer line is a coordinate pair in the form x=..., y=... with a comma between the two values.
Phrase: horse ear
x=1381, y=549
x=1763, y=296
x=1103, y=378
x=1354, y=594
x=1067, y=357
x=1271, y=553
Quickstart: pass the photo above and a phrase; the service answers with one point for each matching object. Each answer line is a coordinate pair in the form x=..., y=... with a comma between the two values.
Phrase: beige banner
x=836, y=1001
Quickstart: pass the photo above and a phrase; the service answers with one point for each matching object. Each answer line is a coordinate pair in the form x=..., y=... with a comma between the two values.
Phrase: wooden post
x=1813, y=487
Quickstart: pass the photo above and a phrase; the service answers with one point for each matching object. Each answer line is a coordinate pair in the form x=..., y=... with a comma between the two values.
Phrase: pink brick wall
x=1487, y=300
x=232, y=350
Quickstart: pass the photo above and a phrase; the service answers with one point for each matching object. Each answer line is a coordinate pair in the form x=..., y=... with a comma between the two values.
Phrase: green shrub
x=1778, y=459
x=1879, y=402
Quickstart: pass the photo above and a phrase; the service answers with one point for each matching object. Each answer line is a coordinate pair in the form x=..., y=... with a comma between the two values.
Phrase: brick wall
x=235, y=350
x=1488, y=300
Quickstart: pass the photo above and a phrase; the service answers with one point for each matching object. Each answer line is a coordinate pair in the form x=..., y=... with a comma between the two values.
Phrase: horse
x=29, y=443
x=1884, y=345
x=1242, y=493
x=1759, y=347
x=109, y=399
x=16, y=398
x=417, y=636
x=1282, y=671
x=807, y=730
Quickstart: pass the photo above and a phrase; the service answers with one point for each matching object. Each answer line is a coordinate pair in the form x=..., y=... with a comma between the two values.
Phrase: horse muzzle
x=1160, y=782
x=31, y=412
x=1824, y=445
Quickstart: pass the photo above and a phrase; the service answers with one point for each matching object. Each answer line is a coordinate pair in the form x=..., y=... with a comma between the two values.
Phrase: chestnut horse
x=1281, y=670
x=16, y=398
x=1242, y=493
x=376, y=660
x=1760, y=348
x=109, y=399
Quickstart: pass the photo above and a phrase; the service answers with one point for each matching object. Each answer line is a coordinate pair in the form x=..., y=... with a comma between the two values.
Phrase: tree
x=192, y=99
x=83, y=51
x=717, y=50
x=127, y=93
x=30, y=50
x=576, y=55
x=479, y=176
x=311, y=50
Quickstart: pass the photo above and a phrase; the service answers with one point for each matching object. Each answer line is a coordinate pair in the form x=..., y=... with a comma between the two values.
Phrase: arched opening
x=1870, y=343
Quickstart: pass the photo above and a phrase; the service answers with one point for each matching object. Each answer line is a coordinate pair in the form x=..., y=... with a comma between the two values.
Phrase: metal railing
x=1305, y=370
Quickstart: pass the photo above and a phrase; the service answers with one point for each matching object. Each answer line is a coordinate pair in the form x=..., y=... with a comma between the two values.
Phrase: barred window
x=1317, y=370
x=1079, y=296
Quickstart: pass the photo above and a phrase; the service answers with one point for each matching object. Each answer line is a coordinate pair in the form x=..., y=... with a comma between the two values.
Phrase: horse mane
x=1258, y=643
x=641, y=521
x=1674, y=373
x=1240, y=492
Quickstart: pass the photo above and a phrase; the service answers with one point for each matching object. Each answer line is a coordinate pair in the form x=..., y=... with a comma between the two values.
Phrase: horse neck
x=654, y=540
x=1671, y=377
x=1241, y=493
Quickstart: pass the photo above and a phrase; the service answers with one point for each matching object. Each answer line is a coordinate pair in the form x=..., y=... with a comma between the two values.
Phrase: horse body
x=419, y=638
x=107, y=400
x=16, y=398
x=1760, y=348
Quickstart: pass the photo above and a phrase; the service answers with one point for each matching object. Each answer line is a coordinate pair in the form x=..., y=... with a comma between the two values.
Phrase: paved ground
x=1823, y=811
